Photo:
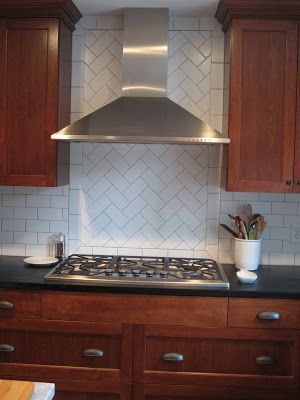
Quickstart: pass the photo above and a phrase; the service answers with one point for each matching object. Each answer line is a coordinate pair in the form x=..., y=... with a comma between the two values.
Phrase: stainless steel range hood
x=143, y=114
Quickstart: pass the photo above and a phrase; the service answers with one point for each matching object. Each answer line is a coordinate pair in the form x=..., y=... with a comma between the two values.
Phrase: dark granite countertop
x=272, y=281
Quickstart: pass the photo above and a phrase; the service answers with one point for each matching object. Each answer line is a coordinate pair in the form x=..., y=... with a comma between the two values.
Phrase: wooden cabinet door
x=297, y=140
x=60, y=350
x=84, y=390
x=216, y=357
x=182, y=392
x=262, y=105
x=28, y=101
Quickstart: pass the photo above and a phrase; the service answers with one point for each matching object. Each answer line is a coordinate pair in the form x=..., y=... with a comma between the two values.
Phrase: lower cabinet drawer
x=61, y=350
x=222, y=357
x=264, y=313
x=183, y=392
x=20, y=304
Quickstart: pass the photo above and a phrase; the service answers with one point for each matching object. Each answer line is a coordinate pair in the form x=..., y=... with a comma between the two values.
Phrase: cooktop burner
x=139, y=271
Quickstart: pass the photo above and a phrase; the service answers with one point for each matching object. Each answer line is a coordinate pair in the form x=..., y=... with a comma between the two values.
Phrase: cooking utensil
x=260, y=226
x=243, y=229
x=233, y=233
x=249, y=214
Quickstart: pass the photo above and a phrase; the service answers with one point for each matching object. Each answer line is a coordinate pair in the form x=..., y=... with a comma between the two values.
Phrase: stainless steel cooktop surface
x=158, y=272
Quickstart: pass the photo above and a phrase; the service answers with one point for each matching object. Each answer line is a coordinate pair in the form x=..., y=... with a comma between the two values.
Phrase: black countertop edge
x=272, y=282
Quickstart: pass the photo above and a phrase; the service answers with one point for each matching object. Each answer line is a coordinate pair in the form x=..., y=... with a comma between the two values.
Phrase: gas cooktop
x=158, y=272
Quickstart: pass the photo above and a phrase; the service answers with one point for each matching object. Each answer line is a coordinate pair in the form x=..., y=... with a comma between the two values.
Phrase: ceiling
x=176, y=7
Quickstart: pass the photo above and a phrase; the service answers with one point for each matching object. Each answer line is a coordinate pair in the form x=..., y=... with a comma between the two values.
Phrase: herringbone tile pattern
x=152, y=196
x=146, y=196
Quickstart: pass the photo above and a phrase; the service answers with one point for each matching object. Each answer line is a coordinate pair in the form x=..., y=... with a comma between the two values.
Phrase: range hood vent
x=143, y=114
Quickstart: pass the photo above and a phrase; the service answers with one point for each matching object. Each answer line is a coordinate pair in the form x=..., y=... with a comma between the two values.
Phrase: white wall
x=145, y=199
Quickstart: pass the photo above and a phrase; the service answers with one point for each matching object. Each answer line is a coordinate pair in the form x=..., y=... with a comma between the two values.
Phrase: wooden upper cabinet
x=35, y=70
x=297, y=140
x=262, y=105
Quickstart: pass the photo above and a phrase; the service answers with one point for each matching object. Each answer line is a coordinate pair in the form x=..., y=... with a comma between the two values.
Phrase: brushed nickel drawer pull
x=6, y=304
x=93, y=353
x=265, y=360
x=6, y=348
x=273, y=315
x=172, y=357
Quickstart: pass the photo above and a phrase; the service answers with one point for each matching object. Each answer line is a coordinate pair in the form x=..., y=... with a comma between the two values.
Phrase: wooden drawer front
x=20, y=304
x=251, y=313
x=90, y=352
x=111, y=308
x=208, y=356
x=180, y=392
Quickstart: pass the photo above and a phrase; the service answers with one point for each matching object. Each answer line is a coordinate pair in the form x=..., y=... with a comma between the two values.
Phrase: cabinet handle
x=6, y=348
x=93, y=353
x=6, y=304
x=172, y=357
x=265, y=360
x=273, y=315
x=298, y=182
x=288, y=182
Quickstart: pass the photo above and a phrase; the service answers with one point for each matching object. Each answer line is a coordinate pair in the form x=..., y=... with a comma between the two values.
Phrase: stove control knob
x=108, y=272
x=150, y=274
x=164, y=274
x=122, y=272
x=136, y=272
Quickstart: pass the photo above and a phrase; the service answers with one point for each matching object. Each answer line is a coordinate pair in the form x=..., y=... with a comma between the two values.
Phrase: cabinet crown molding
x=257, y=9
x=62, y=9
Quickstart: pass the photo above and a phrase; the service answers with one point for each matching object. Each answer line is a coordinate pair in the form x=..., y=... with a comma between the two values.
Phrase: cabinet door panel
x=30, y=66
x=262, y=105
x=59, y=350
x=297, y=141
x=180, y=392
x=237, y=357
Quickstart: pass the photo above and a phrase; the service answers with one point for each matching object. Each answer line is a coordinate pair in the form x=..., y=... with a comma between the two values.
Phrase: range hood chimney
x=143, y=114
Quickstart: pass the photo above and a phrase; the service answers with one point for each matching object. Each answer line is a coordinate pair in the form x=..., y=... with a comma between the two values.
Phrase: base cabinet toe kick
x=137, y=351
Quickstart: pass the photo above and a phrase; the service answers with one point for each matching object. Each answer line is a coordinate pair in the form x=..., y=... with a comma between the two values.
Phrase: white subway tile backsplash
x=37, y=226
x=218, y=50
x=282, y=259
x=13, y=225
x=13, y=249
x=50, y=213
x=59, y=201
x=25, y=237
x=25, y=190
x=6, y=237
x=6, y=189
x=6, y=212
x=186, y=23
x=285, y=208
x=13, y=200
x=37, y=201
x=280, y=233
x=25, y=213
x=59, y=226
x=37, y=250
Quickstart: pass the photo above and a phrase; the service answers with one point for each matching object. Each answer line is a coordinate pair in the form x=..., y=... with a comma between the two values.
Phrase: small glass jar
x=59, y=245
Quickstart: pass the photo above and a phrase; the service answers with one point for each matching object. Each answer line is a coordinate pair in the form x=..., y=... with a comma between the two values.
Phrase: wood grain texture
x=176, y=392
x=58, y=350
x=109, y=308
x=257, y=9
x=222, y=357
x=297, y=139
x=243, y=313
x=15, y=390
x=26, y=304
x=62, y=9
x=31, y=102
x=262, y=105
x=35, y=100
